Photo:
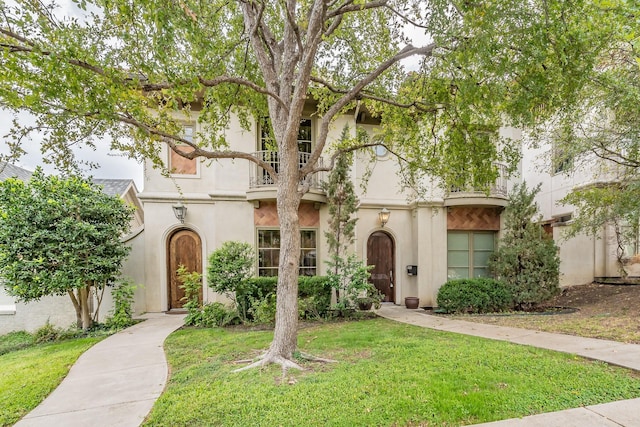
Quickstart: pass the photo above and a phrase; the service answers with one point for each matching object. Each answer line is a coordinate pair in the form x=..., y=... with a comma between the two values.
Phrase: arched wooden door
x=381, y=254
x=183, y=248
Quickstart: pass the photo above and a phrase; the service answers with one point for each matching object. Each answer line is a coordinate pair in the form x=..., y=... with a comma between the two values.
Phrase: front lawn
x=27, y=376
x=388, y=374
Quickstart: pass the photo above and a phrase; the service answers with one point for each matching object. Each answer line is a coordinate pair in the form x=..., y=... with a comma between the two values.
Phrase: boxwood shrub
x=315, y=291
x=479, y=295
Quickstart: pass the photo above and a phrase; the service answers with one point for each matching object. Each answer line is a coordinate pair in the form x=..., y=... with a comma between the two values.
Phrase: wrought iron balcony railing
x=499, y=188
x=259, y=177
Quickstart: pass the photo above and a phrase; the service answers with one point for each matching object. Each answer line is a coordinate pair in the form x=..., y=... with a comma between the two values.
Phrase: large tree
x=597, y=131
x=60, y=236
x=132, y=69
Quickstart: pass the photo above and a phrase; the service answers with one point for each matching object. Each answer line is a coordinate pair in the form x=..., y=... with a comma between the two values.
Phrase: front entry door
x=381, y=254
x=183, y=248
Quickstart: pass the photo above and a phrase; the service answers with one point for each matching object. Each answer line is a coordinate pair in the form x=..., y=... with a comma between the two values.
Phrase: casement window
x=468, y=253
x=178, y=165
x=561, y=160
x=269, y=252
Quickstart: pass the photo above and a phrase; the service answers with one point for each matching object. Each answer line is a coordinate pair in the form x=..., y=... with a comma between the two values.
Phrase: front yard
x=30, y=374
x=387, y=374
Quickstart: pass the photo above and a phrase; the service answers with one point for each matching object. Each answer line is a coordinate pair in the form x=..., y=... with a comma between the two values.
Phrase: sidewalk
x=114, y=383
x=623, y=413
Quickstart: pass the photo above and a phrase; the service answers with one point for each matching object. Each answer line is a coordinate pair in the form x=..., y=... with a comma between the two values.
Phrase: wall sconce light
x=383, y=216
x=180, y=211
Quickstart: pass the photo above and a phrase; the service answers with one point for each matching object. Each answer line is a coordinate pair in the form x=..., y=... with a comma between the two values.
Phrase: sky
x=111, y=164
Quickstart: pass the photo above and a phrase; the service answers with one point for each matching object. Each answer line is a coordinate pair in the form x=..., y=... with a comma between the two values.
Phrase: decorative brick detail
x=267, y=216
x=466, y=218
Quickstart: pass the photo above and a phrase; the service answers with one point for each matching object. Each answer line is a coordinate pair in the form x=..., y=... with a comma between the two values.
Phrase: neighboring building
x=583, y=258
x=58, y=310
x=443, y=235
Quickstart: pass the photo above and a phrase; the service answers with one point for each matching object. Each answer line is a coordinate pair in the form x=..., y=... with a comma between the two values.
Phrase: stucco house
x=584, y=258
x=424, y=242
x=58, y=310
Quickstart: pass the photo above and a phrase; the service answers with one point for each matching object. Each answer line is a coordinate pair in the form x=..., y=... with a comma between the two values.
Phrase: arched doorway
x=183, y=248
x=381, y=254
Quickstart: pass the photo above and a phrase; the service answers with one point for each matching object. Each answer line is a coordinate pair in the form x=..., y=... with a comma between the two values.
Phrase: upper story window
x=267, y=142
x=562, y=161
x=179, y=165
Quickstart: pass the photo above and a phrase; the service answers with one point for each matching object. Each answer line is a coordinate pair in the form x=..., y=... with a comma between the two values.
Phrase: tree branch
x=408, y=51
x=350, y=7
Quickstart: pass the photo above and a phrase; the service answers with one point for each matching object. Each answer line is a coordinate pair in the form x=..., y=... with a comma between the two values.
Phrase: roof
x=114, y=187
x=111, y=187
x=7, y=170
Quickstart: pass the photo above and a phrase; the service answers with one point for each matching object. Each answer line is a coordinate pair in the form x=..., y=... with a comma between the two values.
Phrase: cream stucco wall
x=221, y=207
x=583, y=257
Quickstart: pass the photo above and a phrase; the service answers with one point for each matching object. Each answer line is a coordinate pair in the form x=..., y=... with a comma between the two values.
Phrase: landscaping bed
x=601, y=311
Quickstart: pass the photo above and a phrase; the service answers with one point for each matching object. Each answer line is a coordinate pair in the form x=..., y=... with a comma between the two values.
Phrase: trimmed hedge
x=479, y=295
x=260, y=288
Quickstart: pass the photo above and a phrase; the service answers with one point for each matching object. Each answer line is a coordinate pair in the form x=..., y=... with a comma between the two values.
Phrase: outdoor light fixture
x=383, y=216
x=180, y=211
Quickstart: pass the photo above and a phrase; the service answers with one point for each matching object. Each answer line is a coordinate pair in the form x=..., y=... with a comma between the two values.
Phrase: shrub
x=122, y=313
x=218, y=314
x=191, y=283
x=480, y=295
x=264, y=310
x=527, y=259
x=314, y=296
x=230, y=267
x=46, y=333
x=352, y=283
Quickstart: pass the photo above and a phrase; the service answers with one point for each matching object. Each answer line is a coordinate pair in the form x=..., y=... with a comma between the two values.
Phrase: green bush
x=191, y=283
x=264, y=310
x=46, y=333
x=229, y=269
x=480, y=295
x=314, y=296
x=122, y=314
x=218, y=314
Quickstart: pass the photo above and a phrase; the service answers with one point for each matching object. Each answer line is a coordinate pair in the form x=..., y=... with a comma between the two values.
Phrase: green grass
x=388, y=374
x=15, y=341
x=29, y=375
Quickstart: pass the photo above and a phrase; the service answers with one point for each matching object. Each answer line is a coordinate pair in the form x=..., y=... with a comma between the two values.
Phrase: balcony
x=262, y=186
x=497, y=196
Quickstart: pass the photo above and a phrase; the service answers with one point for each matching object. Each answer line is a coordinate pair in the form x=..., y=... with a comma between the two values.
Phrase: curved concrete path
x=622, y=413
x=115, y=382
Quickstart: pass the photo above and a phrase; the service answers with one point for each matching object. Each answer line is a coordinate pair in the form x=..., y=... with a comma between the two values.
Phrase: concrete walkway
x=623, y=413
x=115, y=382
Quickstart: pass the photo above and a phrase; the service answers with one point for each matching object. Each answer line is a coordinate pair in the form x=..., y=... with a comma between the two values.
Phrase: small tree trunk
x=76, y=306
x=85, y=315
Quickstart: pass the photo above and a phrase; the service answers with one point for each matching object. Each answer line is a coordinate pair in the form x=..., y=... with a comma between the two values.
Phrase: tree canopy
x=132, y=70
x=600, y=133
x=60, y=236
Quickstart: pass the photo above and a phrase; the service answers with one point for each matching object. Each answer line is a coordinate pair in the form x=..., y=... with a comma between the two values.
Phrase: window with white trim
x=179, y=165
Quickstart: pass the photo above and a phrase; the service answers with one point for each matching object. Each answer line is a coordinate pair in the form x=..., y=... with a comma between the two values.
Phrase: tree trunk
x=85, y=315
x=285, y=337
x=76, y=306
